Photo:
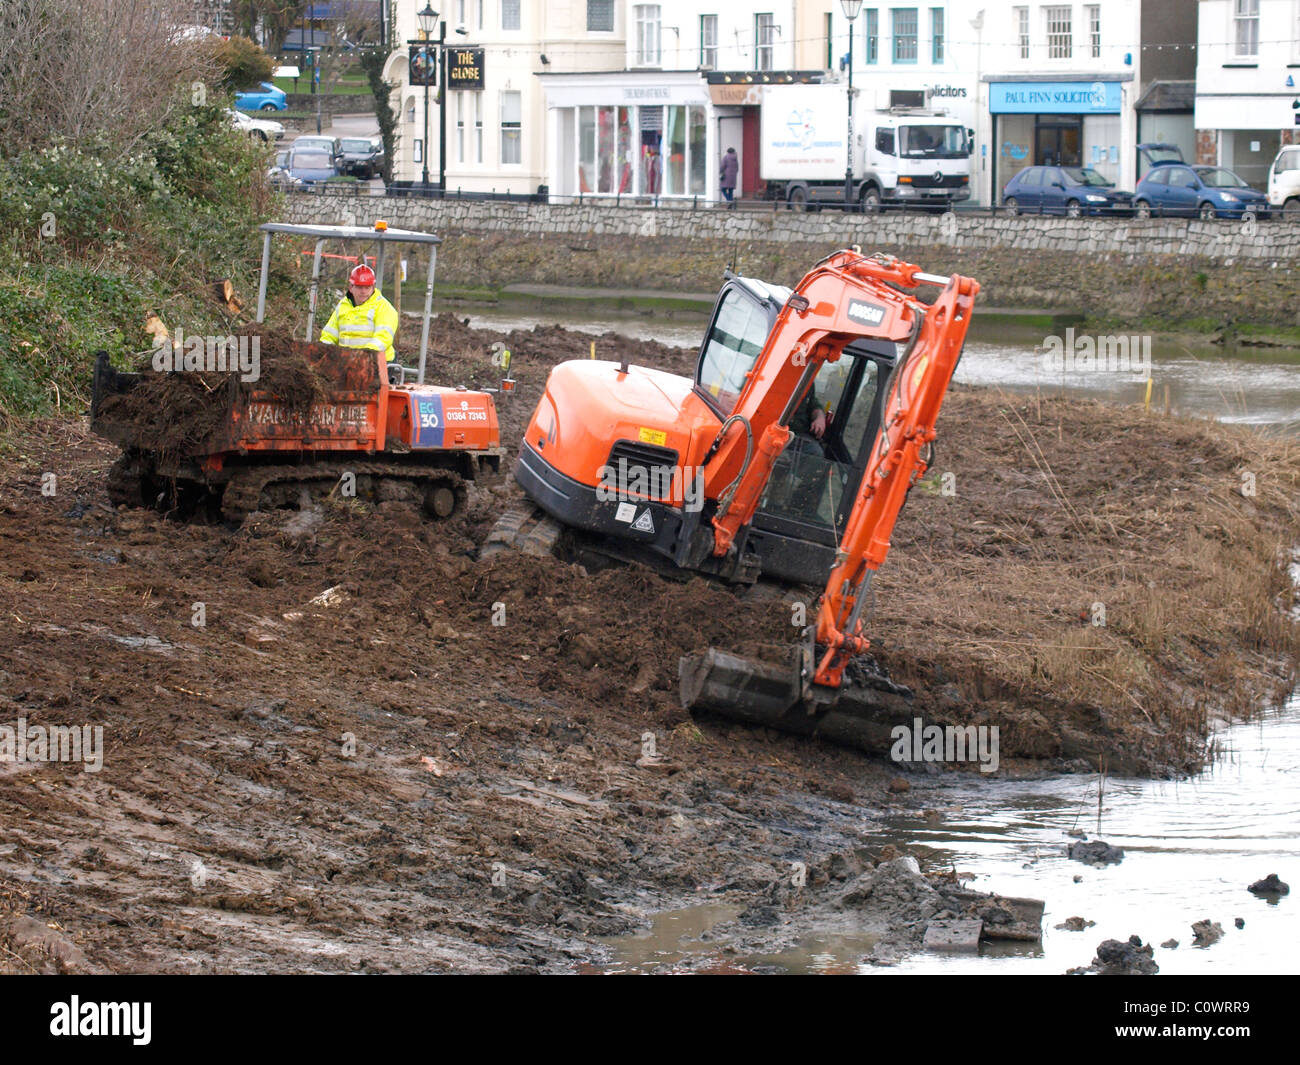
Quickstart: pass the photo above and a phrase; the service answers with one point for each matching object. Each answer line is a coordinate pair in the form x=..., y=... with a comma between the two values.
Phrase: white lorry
x=904, y=153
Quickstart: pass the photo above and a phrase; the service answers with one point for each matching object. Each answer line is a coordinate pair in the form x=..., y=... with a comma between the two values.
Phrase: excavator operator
x=363, y=318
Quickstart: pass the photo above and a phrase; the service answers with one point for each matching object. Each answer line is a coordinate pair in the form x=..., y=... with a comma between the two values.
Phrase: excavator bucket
x=861, y=714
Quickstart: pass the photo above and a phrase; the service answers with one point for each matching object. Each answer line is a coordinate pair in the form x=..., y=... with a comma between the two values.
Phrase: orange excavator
x=788, y=457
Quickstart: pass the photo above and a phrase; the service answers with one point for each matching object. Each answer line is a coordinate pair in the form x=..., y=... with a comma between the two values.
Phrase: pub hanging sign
x=465, y=69
x=423, y=67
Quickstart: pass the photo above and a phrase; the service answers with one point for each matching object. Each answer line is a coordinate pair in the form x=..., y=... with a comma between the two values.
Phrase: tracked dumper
x=313, y=420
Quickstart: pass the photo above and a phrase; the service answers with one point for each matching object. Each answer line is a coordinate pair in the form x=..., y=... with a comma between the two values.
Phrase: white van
x=1284, y=182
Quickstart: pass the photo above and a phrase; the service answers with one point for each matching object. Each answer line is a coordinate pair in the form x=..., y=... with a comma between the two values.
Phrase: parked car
x=256, y=128
x=1152, y=154
x=309, y=168
x=1067, y=190
x=362, y=156
x=266, y=98
x=325, y=144
x=1202, y=191
x=279, y=175
x=1284, y=182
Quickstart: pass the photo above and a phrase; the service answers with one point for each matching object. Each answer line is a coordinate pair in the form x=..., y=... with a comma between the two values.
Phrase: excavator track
x=439, y=492
x=523, y=527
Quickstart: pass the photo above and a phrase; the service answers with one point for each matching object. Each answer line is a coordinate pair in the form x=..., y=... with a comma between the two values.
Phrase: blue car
x=267, y=98
x=1069, y=190
x=1203, y=191
x=309, y=168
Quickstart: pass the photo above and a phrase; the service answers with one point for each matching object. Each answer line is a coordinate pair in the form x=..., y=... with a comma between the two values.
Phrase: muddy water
x=1257, y=386
x=1191, y=849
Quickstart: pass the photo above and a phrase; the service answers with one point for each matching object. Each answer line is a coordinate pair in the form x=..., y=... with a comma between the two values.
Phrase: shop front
x=1058, y=123
x=630, y=134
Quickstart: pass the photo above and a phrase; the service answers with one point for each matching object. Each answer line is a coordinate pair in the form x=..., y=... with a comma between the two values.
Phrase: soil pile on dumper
x=177, y=414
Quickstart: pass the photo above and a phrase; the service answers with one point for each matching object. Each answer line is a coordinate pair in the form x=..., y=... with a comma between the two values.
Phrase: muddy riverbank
x=380, y=778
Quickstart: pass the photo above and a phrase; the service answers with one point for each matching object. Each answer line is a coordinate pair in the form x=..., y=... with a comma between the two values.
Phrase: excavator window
x=814, y=481
x=740, y=327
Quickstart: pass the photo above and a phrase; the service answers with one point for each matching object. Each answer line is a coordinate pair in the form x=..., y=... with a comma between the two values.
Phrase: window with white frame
x=462, y=107
x=600, y=16
x=460, y=12
x=1245, y=19
x=510, y=16
x=511, y=127
x=1060, y=32
x=873, y=35
x=905, y=20
x=478, y=126
x=648, y=51
x=764, y=38
x=936, y=35
x=478, y=14
x=708, y=42
x=1022, y=30
x=1093, y=14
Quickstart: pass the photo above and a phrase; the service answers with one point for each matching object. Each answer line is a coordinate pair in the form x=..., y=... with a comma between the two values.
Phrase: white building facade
x=1247, y=83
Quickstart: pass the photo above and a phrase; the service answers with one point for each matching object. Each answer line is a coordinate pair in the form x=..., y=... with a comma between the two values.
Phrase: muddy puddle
x=1251, y=386
x=1191, y=848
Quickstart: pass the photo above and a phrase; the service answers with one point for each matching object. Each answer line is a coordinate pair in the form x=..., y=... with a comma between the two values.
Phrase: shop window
x=764, y=38
x=623, y=161
x=648, y=51
x=511, y=127
x=586, y=149
x=698, y=156
x=600, y=16
x=510, y=16
x=873, y=35
x=1060, y=32
x=904, y=34
x=1246, y=28
x=708, y=42
x=674, y=151
x=936, y=34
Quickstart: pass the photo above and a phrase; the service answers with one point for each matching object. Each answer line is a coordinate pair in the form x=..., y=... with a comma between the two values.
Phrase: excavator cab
x=808, y=499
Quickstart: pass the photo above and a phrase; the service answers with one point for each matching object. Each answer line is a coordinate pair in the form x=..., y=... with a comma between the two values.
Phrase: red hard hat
x=361, y=276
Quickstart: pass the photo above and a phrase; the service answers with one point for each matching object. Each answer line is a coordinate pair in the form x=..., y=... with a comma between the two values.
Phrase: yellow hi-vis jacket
x=371, y=325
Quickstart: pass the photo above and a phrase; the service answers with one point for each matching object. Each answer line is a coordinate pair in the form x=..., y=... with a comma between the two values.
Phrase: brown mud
x=439, y=764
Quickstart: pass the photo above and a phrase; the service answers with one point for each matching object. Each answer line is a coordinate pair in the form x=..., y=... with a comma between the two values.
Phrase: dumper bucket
x=860, y=715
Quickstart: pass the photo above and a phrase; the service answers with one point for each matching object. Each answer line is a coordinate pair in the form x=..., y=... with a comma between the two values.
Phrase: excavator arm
x=844, y=297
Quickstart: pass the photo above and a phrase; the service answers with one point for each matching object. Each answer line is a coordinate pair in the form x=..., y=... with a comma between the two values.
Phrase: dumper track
x=440, y=493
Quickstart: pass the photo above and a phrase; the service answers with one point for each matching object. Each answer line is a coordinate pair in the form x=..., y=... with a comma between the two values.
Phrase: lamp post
x=851, y=9
x=427, y=18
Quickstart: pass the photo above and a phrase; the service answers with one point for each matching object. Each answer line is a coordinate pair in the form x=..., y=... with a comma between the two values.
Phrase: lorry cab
x=916, y=159
x=1284, y=181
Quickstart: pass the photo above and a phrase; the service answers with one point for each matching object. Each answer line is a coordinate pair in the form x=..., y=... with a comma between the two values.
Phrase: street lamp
x=851, y=9
x=427, y=19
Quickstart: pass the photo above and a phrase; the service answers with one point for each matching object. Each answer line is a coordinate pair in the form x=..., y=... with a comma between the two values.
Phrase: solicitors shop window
x=873, y=35
x=904, y=19
x=708, y=42
x=600, y=16
x=510, y=15
x=1245, y=24
x=936, y=35
x=648, y=51
x=511, y=128
x=764, y=38
x=1060, y=32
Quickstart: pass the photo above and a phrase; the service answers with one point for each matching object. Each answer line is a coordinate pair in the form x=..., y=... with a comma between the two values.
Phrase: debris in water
x=1074, y=924
x=1206, y=933
x=1270, y=885
x=1096, y=852
x=1123, y=959
x=1169, y=944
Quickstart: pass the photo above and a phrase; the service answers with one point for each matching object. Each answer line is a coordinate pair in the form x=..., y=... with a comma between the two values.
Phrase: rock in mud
x=1130, y=958
x=1074, y=924
x=1270, y=885
x=1096, y=852
x=1169, y=944
x=1206, y=933
x=893, y=890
